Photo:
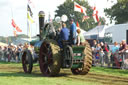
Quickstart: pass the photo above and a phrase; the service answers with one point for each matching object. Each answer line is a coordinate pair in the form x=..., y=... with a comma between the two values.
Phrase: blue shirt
x=64, y=34
x=73, y=30
x=114, y=49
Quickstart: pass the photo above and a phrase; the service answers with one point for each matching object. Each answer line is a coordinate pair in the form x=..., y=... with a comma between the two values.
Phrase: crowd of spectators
x=11, y=53
x=114, y=57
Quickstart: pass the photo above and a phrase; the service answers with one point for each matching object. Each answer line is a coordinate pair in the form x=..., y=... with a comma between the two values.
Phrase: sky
x=17, y=9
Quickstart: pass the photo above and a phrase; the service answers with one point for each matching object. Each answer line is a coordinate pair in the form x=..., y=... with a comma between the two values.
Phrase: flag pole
x=12, y=18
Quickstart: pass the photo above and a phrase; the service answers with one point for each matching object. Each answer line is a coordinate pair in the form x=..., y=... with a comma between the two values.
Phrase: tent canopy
x=98, y=30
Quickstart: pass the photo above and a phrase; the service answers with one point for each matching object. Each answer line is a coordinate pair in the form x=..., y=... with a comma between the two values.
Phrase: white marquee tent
x=119, y=32
x=97, y=31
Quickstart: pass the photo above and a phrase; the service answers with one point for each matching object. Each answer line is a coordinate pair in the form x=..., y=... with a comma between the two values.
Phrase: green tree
x=68, y=8
x=118, y=12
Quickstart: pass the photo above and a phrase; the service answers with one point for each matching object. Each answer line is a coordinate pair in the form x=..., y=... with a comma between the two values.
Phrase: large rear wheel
x=50, y=58
x=27, y=61
x=87, y=61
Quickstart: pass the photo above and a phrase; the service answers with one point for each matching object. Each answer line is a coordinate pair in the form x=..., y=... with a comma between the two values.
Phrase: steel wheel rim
x=25, y=63
x=46, y=59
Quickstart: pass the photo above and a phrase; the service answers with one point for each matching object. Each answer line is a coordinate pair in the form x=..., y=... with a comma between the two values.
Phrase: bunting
x=85, y=18
x=95, y=14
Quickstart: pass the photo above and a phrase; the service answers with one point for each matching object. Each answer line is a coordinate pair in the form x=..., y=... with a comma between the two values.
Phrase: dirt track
x=66, y=73
x=103, y=79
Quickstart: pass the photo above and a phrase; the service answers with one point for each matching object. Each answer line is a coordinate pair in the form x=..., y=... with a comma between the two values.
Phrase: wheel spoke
x=46, y=59
x=48, y=70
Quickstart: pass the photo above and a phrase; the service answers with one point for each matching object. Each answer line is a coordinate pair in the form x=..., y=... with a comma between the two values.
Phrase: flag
x=29, y=10
x=13, y=23
x=79, y=8
x=95, y=15
x=30, y=14
x=18, y=29
x=30, y=18
x=84, y=18
x=15, y=26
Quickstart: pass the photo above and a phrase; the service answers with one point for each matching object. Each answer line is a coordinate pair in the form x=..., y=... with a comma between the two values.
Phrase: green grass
x=12, y=74
x=16, y=76
x=110, y=71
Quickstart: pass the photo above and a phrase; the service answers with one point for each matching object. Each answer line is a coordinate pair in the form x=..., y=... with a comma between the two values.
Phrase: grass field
x=12, y=74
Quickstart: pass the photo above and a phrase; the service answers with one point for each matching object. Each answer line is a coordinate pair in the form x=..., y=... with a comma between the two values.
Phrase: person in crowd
x=120, y=47
x=1, y=53
x=101, y=53
x=64, y=35
x=115, y=48
x=94, y=45
x=72, y=32
x=94, y=51
x=123, y=48
x=97, y=53
x=20, y=51
x=80, y=38
x=114, y=55
x=13, y=53
x=5, y=53
x=107, y=54
x=26, y=45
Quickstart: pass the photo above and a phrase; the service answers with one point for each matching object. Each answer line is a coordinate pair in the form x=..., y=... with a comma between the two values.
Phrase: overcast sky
x=17, y=9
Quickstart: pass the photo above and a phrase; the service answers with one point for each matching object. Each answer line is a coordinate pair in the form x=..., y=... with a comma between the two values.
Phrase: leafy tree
x=68, y=8
x=118, y=12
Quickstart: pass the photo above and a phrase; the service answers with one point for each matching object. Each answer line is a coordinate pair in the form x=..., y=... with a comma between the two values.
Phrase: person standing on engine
x=80, y=38
x=72, y=32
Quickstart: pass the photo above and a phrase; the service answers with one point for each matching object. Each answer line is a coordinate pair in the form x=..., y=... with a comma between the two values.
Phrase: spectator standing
x=123, y=48
x=114, y=56
x=72, y=32
x=102, y=54
x=97, y=53
x=115, y=48
x=107, y=54
x=94, y=51
x=1, y=53
x=94, y=45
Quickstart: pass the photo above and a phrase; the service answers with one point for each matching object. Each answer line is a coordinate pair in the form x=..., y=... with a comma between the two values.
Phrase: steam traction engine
x=52, y=58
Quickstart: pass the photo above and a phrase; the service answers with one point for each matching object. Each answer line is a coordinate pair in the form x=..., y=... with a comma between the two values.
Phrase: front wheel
x=27, y=61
